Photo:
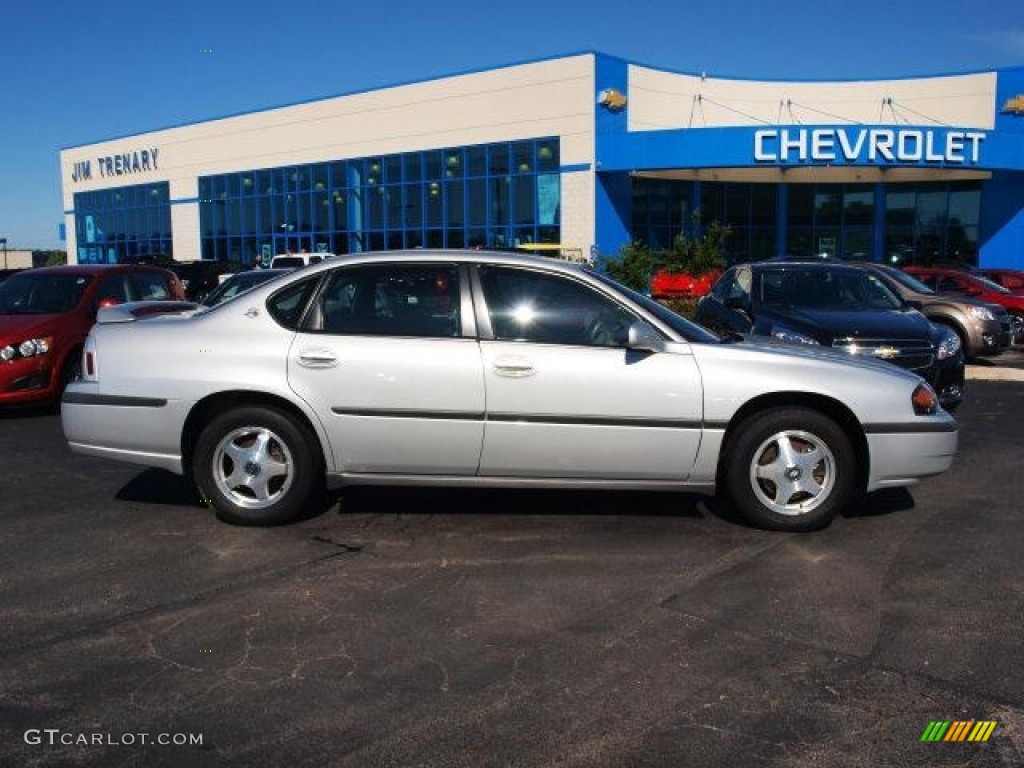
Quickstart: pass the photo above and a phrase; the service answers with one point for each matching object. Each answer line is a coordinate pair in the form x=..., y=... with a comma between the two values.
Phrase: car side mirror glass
x=644, y=337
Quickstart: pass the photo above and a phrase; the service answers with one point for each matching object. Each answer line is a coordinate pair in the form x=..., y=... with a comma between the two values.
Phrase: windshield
x=685, y=328
x=840, y=289
x=991, y=286
x=906, y=280
x=28, y=294
x=240, y=283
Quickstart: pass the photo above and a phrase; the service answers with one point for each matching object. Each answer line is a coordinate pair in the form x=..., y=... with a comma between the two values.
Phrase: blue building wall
x=999, y=151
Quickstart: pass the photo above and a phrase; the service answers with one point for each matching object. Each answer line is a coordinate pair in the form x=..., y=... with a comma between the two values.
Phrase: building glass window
x=922, y=223
x=496, y=195
x=123, y=224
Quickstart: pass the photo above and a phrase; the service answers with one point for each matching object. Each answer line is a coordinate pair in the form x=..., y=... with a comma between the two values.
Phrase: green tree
x=698, y=255
x=632, y=266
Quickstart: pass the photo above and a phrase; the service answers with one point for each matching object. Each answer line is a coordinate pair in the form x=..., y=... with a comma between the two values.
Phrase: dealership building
x=587, y=151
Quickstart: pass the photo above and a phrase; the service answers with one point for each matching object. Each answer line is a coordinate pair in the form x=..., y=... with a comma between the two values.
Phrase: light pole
x=3, y=242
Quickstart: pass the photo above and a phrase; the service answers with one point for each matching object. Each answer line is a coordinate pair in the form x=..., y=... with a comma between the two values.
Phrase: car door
x=387, y=356
x=565, y=396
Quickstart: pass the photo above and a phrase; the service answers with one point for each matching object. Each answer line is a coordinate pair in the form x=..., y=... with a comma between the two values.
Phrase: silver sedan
x=487, y=369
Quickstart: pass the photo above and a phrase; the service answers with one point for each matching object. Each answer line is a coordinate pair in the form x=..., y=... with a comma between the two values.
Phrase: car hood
x=824, y=325
x=779, y=349
x=17, y=328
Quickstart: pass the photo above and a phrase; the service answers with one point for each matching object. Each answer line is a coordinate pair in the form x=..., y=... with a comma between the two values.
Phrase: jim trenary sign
x=855, y=146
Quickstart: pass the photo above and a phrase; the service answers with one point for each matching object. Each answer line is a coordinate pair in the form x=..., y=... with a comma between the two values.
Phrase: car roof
x=457, y=256
x=785, y=263
x=92, y=269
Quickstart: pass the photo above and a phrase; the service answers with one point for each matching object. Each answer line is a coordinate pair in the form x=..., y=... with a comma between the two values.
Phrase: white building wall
x=661, y=100
x=550, y=98
x=578, y=228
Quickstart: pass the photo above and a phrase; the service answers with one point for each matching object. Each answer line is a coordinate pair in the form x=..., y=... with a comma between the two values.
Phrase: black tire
x=802, y=506
x=263, y=484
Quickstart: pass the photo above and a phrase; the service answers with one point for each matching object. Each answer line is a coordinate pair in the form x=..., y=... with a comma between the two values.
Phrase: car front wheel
x=255, y=466
x=790, y=469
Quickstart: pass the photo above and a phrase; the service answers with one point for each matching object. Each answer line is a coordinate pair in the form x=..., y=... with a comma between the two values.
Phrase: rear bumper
x=135, y=430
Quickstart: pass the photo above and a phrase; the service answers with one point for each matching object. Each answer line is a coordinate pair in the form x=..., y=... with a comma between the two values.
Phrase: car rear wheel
x=255, y=466
x=790, y=470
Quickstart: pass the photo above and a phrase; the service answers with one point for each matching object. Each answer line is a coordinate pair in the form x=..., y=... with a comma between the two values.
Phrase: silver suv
x=983, y=328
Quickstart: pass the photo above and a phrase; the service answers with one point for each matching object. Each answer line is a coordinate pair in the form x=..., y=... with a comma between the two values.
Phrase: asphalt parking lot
x=435, y=628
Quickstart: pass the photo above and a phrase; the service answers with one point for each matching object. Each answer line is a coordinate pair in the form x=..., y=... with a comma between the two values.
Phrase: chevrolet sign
x=870, y=145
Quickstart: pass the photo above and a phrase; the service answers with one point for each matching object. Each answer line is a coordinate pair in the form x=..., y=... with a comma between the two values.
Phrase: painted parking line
x=983, y=373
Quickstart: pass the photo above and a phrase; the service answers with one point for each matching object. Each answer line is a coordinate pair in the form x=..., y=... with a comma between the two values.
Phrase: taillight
x=924, y=400
x=90, y=360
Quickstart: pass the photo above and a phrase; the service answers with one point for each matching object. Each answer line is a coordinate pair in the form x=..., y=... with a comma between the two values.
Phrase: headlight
x=981, y=313
x=791, y=337
x=949, y=345
x=27, y=348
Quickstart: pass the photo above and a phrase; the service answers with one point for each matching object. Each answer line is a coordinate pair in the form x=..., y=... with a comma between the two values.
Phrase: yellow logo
x=886, y=353
x=1014, y=106
x=612, y=98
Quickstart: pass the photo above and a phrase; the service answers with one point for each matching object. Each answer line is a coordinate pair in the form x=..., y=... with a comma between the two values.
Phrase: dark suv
x=835, y=305
x=46, y=313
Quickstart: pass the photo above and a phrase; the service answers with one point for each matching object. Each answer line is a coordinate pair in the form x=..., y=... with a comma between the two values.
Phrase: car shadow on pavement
x=878, y=503
x=33, y=411
x=157, y=486
x=504, y=501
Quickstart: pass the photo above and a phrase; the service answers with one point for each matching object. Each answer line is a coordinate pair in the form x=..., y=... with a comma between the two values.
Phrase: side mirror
x=644, y=337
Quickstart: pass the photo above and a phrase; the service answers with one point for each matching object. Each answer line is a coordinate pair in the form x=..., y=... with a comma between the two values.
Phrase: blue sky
x=77, y=72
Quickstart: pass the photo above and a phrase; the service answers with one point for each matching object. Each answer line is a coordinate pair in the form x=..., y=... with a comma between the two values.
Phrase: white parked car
x=488, y=369
x=295, y=260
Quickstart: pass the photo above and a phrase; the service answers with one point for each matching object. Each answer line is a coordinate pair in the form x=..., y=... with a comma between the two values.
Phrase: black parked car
x=5, y=273
x=240, y=282
x=835, y=305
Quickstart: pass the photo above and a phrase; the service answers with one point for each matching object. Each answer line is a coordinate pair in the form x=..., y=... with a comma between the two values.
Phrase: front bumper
x=902, y=458
x=26, y=380
x=947, y=379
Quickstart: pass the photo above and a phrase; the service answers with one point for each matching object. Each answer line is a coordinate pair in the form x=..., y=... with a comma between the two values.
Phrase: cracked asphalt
x=458, y=628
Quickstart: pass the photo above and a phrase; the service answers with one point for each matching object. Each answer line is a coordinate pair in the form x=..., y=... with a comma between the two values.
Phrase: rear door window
x=392, y=300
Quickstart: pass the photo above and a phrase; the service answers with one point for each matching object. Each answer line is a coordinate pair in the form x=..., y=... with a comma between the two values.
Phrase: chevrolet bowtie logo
x=886, y=353
x=612, y=98
x=1014, y=106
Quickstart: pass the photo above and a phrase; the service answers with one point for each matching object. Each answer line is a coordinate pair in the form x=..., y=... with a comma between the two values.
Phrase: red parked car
x=960, y=283
x=46, y=313
x=674, y=285
x=1010, y=279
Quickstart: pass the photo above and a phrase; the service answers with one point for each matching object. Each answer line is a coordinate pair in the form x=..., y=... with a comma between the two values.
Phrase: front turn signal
x=924, y=400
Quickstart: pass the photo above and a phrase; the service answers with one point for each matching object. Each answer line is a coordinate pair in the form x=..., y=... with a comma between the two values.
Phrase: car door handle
x=513, y=367
x=317, y=358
